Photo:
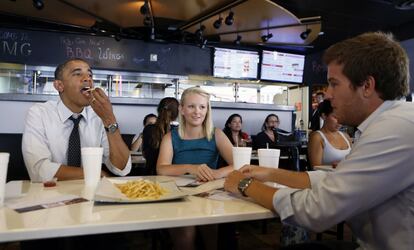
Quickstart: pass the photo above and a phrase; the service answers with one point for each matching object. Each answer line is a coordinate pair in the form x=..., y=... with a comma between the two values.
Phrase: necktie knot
x=75, y=120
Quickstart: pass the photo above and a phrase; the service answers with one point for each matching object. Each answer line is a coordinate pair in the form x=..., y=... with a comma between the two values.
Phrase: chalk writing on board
x=108, y=54
x=15, y=43
x=90, y=48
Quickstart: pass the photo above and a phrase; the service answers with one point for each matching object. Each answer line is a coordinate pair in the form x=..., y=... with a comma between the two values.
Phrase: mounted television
x=234, y=63
x=282, y=67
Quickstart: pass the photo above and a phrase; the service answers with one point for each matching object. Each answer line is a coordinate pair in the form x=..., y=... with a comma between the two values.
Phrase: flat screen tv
x=282, y=67
x=234, y=63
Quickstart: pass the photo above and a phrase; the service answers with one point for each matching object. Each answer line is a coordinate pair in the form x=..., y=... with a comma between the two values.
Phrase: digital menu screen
x=232, y=63
x=284, y=67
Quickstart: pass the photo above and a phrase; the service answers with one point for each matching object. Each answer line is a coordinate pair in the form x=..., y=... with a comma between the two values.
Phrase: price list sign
x=239, y=64
x=284, y=67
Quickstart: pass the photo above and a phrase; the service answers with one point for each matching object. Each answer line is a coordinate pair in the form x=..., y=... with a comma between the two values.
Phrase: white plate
x=108, y=192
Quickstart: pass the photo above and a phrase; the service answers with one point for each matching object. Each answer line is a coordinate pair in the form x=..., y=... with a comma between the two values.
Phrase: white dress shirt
x=372, y=188
x=46, y=138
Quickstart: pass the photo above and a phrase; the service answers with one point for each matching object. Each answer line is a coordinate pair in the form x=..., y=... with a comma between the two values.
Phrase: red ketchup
x=49, y=184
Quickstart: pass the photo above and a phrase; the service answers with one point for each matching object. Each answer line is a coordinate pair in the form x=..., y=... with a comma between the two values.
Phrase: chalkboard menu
x=232, y=63
x=315, y=70
x=51, y=49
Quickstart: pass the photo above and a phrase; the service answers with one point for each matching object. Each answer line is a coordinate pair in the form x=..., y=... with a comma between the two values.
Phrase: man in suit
x=315, y=121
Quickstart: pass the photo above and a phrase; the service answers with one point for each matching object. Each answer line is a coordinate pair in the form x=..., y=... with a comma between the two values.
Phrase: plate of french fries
x=136, y=190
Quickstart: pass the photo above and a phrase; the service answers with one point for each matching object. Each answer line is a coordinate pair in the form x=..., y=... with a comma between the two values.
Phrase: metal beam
x=267, y=28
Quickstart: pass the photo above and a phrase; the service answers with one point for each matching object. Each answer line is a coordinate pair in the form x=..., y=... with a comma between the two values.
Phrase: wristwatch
x=112, y=128
x=243, y=185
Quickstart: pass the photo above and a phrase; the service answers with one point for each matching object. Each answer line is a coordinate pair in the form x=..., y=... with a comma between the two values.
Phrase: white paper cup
x=241, y=156
x=269, y=157
x=4, y=162
x=91, y=163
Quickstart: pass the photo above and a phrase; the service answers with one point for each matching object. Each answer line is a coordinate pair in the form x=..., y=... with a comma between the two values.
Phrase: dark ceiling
x=178, y=20
x=342, y=19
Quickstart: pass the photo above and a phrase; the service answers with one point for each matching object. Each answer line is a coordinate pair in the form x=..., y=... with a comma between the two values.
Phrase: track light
x=304, y=35
x=203, y=43
x=38, y=4
x=217, y=23
x=266, y=38
x=199, y=32
x=238, y=40
x=230, y=18
x=144, y=8
x=147, y=21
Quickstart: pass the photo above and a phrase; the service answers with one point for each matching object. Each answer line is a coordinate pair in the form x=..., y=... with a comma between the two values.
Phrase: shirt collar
x=64, y=112
x=384, y=106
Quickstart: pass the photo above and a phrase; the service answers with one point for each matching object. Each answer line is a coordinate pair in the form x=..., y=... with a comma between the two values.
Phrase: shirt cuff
x=316, y=176
x=47, y=171
x=282, y=202
x=117, y=171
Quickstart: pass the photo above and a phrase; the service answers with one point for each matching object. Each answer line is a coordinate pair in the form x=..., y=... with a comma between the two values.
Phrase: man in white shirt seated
x=372, y=189
x=49, y=126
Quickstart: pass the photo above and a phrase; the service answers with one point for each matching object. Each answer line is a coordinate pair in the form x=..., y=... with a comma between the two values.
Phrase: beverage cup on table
x=4, y=163
x=241, y=156
x=268, y=157
x=91, y=163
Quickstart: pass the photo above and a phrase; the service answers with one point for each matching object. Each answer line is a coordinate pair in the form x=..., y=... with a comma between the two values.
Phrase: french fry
x=141, y=189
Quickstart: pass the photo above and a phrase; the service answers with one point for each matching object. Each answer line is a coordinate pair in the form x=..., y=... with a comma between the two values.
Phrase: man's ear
x=58, y=84
x=369, y=86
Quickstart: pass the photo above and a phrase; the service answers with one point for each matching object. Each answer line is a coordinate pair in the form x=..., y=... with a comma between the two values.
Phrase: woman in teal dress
x=194, y=148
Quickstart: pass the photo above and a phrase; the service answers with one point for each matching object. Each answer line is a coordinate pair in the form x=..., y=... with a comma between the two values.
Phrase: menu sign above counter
x=52, y=48
x=284, y=67
x=239, y=64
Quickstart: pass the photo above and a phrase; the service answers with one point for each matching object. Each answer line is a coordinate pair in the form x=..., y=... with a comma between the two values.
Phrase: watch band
x=111, y=128
x=243, y=185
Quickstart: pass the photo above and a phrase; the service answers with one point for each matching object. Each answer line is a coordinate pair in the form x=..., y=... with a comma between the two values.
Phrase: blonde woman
x=195, y=146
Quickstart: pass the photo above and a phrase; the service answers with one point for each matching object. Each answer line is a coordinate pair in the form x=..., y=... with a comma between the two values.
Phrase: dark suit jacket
x=314, y=123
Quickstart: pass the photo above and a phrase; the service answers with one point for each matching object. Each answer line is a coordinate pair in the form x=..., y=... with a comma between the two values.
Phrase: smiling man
x=373, y=188
x=50, y=125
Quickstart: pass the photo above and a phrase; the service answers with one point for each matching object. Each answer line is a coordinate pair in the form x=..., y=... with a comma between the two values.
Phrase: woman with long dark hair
x=167, y=112
x=233, y=130
x=328, y=146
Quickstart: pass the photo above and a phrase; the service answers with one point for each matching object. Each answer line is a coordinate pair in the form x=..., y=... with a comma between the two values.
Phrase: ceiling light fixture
x=230, y=18
x=38, y=4
x=238, y=40
x=199, y=32
x=218, y=22
x=147, y=21
x=203, y=43
x=144, y=8
x=266, y=38
x=304, y=35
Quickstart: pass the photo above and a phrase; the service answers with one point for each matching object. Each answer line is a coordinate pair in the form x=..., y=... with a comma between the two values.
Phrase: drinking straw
x=267, y=145
x=237, y=141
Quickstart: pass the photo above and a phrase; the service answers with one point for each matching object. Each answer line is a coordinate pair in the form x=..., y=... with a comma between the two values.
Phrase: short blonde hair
x=208, y=128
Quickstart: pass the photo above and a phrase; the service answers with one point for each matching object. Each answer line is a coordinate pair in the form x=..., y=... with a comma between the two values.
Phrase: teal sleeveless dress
x=196, y=151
